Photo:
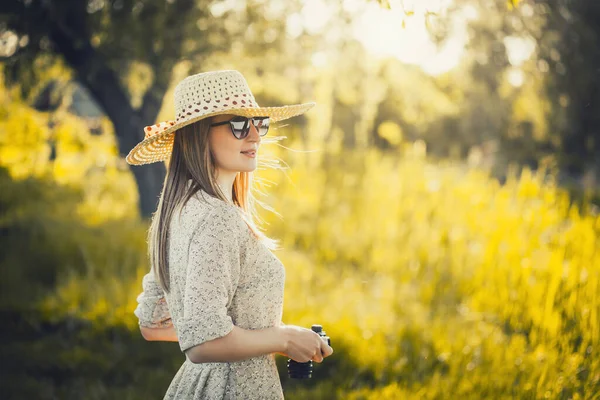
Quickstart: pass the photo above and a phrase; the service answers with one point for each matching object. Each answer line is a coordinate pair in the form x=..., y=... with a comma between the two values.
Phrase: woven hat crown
x=210, y=92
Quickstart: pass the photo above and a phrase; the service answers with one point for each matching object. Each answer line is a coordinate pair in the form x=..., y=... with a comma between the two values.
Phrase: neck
x=225, y=180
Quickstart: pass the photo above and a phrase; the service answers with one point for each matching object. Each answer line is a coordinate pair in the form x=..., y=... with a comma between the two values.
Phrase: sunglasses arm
x=219, y=123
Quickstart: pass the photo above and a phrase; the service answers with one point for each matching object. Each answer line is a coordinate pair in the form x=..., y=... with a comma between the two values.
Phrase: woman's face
x=228, y=150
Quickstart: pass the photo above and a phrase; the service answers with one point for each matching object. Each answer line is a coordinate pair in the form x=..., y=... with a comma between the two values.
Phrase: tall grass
x=432, y=279
x=436, y=281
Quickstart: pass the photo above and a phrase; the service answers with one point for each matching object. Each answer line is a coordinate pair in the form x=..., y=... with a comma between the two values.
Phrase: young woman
x=215, y=287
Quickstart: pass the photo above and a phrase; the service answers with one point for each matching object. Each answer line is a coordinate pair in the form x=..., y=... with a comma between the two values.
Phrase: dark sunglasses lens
x=240, y=127
x=262, y=125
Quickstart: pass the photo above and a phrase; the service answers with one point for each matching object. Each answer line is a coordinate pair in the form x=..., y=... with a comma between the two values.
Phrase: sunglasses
x=240, y=126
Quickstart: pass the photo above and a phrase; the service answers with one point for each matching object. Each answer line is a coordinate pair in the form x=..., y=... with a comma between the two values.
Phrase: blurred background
x=439, y=209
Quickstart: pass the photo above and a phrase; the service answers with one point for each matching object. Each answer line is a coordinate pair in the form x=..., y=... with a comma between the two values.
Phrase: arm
x=153, y=312
x=239, y=344
x=282, y=352
x=167, y=334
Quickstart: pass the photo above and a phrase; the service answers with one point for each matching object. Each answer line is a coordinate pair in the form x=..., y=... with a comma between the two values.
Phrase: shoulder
x=224, y=218
x=214, y=215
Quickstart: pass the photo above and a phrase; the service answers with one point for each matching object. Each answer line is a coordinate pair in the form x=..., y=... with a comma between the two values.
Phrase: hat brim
x=158, y=147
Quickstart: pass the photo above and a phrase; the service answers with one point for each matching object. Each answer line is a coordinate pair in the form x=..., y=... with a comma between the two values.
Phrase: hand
x=326, y=351
x=303, y=345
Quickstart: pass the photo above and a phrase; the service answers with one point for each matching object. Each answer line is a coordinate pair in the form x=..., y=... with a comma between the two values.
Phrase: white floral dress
x=220, y=276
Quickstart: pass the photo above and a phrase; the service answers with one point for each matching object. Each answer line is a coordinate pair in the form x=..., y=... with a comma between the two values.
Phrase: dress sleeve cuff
x=193, y=332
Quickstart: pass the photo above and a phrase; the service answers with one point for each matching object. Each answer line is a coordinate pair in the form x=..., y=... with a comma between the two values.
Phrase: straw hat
x=200, y=96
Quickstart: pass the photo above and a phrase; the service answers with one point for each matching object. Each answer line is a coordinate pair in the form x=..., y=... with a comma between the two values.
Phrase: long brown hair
x=191, y=159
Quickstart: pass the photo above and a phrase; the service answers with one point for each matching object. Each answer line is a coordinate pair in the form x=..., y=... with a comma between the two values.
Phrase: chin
x=248, y=169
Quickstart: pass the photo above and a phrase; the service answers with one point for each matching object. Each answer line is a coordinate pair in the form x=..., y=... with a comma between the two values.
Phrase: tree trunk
x=149, y=177
x=93, y=72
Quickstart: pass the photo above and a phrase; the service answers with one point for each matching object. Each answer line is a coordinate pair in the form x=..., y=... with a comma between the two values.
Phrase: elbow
x=146, y=333
x=194, y=355
x=205, y=352
x=214, y=350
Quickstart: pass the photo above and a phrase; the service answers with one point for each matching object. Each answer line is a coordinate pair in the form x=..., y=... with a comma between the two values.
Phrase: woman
x=215, y=286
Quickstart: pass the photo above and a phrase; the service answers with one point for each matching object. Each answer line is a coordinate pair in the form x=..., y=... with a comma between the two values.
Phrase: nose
x=253, y=135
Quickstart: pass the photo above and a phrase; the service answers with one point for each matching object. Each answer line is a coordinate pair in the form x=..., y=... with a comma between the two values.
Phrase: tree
x=562, y=71
x=568, y=46
x=99, y=39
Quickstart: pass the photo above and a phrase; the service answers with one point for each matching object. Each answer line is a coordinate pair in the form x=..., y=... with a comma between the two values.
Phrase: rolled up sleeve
x=152, y=308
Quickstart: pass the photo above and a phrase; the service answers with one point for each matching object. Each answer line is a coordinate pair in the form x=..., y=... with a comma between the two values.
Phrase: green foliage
x=76, y=359
x=60, y=147
x=499, y=281
x=431, y=280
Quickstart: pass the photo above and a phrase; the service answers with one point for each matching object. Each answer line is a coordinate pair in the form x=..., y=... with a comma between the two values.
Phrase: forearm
x=159, y=334
x=239, y=344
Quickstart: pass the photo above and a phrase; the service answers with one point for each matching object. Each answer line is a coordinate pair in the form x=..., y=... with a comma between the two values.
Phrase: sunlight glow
x=391, y=33
x=316, y=14
x=319, y=59
x=382, y=33
x=518, y=49
x=515, y=76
